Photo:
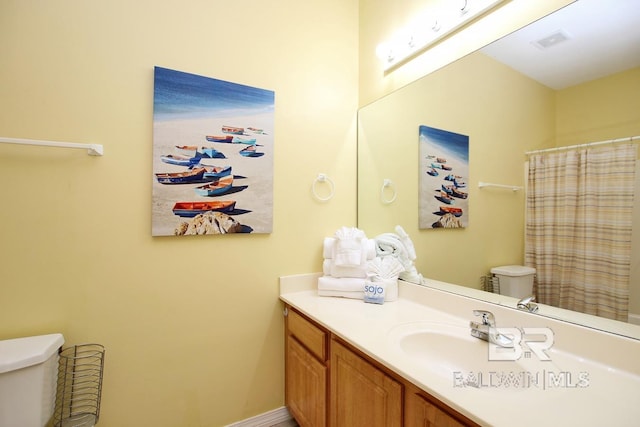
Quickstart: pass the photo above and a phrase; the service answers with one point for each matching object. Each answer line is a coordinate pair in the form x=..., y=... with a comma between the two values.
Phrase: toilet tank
x=515, y=280
x=28, y=374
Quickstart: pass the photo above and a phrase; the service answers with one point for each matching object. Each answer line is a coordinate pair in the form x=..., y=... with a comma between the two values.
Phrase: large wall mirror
x=508, y=98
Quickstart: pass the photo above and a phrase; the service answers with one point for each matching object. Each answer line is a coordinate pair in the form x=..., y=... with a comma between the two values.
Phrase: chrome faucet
x=527, y=304
x=487, y=329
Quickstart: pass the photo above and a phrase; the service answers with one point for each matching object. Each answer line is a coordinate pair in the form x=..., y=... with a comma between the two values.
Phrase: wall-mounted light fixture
x=431, y=26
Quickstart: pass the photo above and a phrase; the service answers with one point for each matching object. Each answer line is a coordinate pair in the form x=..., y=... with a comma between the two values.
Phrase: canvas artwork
x=212, y=156
x=444, y=170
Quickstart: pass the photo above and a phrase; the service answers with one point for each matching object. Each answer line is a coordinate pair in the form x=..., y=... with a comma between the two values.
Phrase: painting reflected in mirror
x=529, y=91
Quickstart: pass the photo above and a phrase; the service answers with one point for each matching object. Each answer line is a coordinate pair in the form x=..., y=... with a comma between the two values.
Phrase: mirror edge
x=602, y=324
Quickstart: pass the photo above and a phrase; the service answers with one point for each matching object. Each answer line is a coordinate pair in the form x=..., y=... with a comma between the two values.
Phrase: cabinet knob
x=285, y=312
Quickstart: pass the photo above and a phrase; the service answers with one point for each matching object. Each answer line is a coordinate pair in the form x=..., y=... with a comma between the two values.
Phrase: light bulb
x=384, y=51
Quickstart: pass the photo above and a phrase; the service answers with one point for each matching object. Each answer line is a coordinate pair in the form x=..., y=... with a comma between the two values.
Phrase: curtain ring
x=464, y=8
x=322, y=178
x=388, y=183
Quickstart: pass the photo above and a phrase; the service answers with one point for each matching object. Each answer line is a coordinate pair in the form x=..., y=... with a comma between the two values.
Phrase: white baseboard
x=634, y=319
x=266, y=419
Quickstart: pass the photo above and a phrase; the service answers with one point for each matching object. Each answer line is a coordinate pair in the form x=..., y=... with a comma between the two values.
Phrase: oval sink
x=443, y=342
x=450, y=351
x=446, y=344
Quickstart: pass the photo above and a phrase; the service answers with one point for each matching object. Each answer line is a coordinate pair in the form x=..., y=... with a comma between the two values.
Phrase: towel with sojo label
x=374, y=292
x=382, y=272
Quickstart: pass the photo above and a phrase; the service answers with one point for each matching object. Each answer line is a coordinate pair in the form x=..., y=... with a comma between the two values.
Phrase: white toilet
x=515, y=280
x=28, y=376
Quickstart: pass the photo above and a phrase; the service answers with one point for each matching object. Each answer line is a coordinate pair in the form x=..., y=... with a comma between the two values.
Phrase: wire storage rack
x=79, y=386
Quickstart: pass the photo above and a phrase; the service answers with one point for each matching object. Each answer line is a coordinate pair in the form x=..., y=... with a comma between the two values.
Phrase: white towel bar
x=92, y=149
x=509, y=187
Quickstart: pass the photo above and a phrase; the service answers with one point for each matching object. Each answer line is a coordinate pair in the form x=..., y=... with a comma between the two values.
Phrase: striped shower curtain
x=578, y=228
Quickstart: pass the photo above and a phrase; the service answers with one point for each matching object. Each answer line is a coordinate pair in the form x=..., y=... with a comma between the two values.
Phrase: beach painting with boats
x=444, y=173
x=212, y=156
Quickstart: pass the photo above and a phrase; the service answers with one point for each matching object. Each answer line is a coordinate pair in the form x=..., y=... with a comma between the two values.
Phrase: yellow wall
x=602, y=109
x=192, y=326
x=462, y=101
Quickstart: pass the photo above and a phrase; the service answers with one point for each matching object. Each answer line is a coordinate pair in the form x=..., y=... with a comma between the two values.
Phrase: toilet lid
x=513, y=270
x=20, y=353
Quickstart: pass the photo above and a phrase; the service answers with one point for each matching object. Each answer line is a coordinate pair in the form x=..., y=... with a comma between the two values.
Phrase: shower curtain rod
x=588, y=144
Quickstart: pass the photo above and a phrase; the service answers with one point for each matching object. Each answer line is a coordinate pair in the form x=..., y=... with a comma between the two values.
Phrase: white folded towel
x=330, y=269
x=391, y=292
x=345, y=284
x=329, y=242
x=341, y=294
x=327, y=247
x=326, y=267
x=348, y=247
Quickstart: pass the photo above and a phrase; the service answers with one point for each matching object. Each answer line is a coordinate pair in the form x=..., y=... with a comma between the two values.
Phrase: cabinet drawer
x=310, y=335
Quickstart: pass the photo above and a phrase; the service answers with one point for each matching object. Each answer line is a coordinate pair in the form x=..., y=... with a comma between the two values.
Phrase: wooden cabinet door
x=306, y=385
x=421, y=411
x=361, y=394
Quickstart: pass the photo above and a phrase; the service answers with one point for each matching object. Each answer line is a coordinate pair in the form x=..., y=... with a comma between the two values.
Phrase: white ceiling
x=604, y=38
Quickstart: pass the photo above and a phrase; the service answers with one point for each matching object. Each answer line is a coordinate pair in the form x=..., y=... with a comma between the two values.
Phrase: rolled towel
x=345, y=284
x=390, y=244
x=369, y=248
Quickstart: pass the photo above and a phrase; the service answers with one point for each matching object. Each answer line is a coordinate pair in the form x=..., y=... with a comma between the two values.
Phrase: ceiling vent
x=553, y=39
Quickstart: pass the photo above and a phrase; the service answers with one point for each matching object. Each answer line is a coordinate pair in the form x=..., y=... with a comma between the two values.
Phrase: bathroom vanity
x=412, y=362
x=362, y=392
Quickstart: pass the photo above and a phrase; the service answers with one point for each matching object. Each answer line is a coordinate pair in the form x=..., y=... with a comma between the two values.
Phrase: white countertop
x=593, y=378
